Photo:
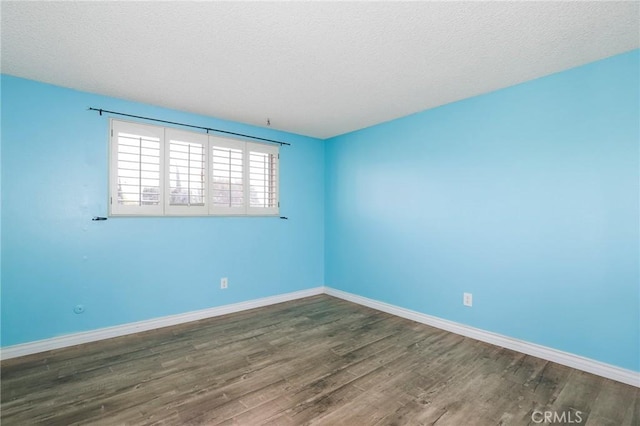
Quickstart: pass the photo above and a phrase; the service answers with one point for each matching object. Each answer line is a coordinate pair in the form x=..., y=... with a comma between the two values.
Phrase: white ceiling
x=314, y=68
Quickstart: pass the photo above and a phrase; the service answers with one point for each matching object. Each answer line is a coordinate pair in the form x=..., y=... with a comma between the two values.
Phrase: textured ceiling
x=314, y=68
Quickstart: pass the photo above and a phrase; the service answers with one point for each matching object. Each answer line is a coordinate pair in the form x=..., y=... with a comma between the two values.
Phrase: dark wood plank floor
x=318, y=360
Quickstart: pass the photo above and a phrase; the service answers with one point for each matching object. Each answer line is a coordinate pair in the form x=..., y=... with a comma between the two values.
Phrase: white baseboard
x=575, y=361
x=136, y=327
x=550, y=354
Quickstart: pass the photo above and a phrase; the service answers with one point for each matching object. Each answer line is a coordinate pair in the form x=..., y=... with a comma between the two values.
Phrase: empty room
x=320, y=213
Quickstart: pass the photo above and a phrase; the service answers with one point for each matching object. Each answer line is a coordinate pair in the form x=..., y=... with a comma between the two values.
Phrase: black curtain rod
x=100, y=110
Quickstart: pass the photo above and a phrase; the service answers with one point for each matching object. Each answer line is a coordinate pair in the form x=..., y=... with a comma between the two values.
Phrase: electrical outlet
x=467, y=299
x=224, y=283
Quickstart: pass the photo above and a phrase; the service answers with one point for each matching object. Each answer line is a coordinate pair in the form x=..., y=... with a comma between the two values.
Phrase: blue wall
x=54, y=179
x=526, y=197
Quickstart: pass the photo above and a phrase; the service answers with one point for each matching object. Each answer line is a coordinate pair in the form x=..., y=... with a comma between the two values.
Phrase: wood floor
x=318, y=360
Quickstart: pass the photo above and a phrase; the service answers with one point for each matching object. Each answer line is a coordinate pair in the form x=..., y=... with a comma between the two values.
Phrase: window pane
x=186, y=173
x=138, y=169
x=262, y=179
x=228, y=183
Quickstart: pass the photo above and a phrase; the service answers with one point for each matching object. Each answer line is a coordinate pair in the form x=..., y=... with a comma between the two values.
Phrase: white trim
x=136, y=327
x=570, y=360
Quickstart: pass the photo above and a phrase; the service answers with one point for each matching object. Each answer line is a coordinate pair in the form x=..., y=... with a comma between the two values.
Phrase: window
x=228, y=176
x=185, y=179
x=156, y=171
x=263, y=178
x=136, y=168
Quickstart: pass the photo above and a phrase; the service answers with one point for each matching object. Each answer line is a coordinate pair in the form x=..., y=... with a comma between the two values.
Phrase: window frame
x=168, y=134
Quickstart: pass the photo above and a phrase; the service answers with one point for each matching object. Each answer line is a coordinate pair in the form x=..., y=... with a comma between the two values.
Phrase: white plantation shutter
x=228, y=176
x=263, y=179
x=136, y=169
x=158, y=171
x=186, y=191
